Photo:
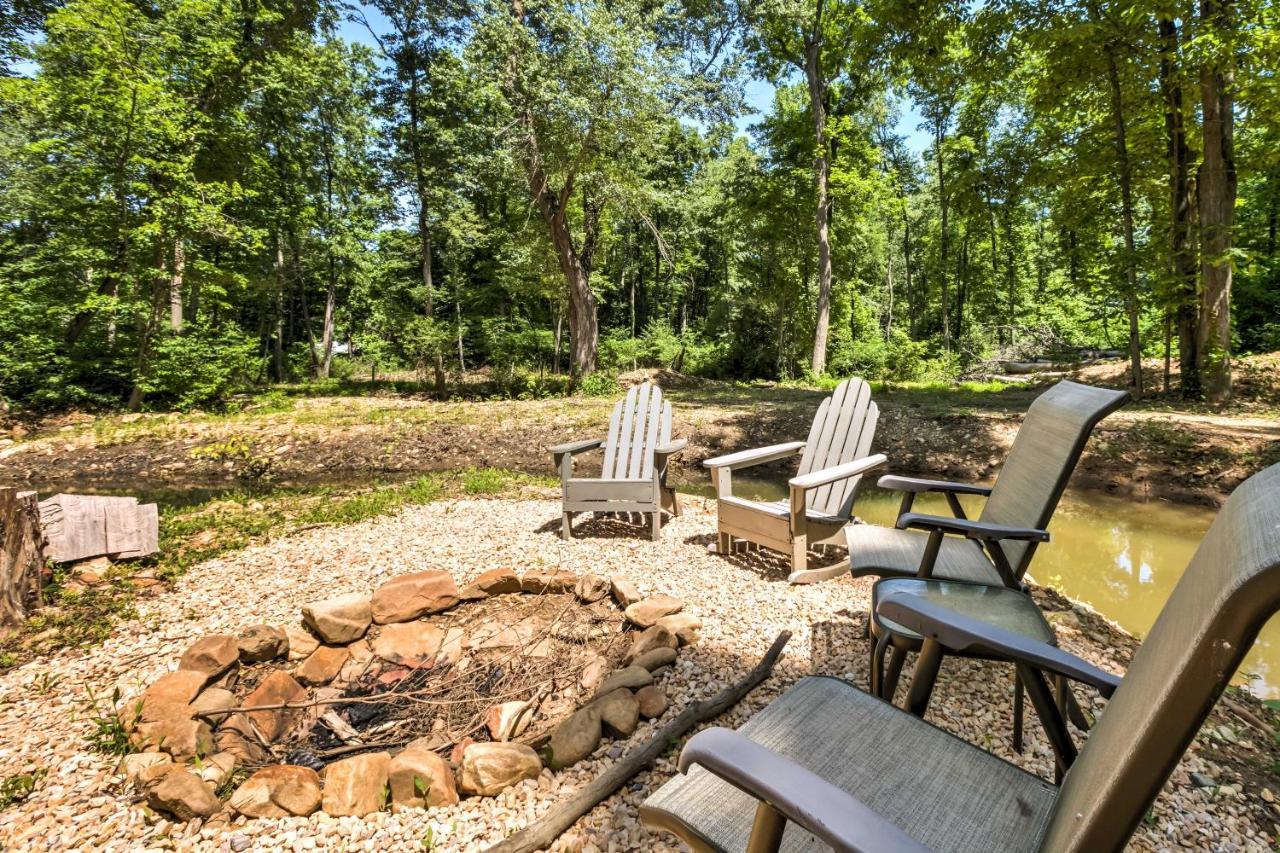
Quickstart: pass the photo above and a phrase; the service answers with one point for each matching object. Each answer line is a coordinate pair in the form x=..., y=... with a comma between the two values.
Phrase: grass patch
x=16, y=788
x=79, y=617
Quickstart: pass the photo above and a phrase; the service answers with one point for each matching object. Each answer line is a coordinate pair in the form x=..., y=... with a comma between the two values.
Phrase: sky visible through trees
x=200, y=196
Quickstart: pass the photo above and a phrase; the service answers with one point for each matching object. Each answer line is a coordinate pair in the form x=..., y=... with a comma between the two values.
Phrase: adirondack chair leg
x=825, y=573
x=655, y=522
x=566, y=525
x=724, y=543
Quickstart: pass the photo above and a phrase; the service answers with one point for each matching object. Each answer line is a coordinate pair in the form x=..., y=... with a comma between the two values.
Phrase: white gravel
x=743, y=602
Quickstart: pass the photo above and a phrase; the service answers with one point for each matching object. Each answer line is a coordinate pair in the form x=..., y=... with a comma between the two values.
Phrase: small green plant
x=7, y=660
x=45, y=682
x=16, y=788
x=429, y=837
x=108, y=734
x=599, y=385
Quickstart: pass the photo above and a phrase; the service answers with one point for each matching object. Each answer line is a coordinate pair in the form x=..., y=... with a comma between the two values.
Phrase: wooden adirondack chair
x=832, y=463
x=633, y=477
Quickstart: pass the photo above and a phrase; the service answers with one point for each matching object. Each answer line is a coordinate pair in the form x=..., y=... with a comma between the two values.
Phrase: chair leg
x=875, y=677
x=892, y=673
x=655, y=525
x=923, y=676
x=675, y=503
x=766, y=830
x=799, y=556
x=566, y=525
x=724, y=543
x=1018, y=712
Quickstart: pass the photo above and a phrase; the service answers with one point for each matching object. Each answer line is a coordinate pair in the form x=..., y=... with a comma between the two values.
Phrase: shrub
x=201, y=367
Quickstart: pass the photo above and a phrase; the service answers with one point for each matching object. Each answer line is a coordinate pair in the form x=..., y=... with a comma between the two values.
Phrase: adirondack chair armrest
x=838, y=472
x=915, y=484
x=980, y=530
x=755, y=456
x=572, y=447
x=671, y=448
x=964, y=633
x=801, y=796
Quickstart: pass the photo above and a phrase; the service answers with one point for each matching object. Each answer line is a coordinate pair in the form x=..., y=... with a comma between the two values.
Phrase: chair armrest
x=671, y=447
x=915, y=484
x=838, y=472
x=801, y=796
x=756, y=456
x=960, y=633
x=572, y=447
x=980, y=530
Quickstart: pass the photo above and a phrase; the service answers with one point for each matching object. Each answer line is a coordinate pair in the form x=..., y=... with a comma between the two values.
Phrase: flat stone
x=591, y=588
x=619, y=712
x=235, y=736
x=549, y=581
x=301, y=642
x=216, y=769
x=418, y=643
x=357, y=785
x=259, y=643
x=211, y=701
x=508, y=720
x=648, y=611
x=653, y=701
x=278, y=688
x=419, y=779
x=655, y=659
x=323, y=665
x=141, y=767
x=360, y=654
x=459, y=750
x=178, y=687
x=593, y=673
x=182, y=795
x=632, y=677
x=684, y=625
x=182, y=739
x=624, y=591
x=278, y=791
x=575, y=738
x=488, y=768
x=409, y=596
x=653, y=637
x=339, y=620
x=493, y=582
x=211, y=655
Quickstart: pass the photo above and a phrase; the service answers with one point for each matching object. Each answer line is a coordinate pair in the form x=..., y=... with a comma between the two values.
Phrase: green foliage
x=599, y=385
x=108, y=734
x=201, y=367
x=16, y=788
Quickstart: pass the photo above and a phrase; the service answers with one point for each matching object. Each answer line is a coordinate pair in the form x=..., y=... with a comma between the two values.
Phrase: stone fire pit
x=413, y=697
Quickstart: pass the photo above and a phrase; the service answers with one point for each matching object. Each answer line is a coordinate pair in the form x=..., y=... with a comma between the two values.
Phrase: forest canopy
x=197, y=196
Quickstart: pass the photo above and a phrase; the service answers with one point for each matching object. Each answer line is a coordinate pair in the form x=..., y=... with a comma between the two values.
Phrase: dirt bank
x=1150, y=450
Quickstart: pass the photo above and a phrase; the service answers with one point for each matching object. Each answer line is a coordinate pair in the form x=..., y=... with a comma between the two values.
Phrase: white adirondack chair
x=633, y=477
x=832, y=463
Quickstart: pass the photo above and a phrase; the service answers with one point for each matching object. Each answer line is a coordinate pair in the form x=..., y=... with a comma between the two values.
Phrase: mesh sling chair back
x=827, y=765
x=833, y=460
x=997, y=547
x=633, y=476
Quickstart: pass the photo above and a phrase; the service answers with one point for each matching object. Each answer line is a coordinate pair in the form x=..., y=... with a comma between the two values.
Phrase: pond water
x=1119, y=557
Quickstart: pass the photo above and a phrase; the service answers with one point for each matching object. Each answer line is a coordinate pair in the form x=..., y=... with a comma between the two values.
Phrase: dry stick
x=543, y=832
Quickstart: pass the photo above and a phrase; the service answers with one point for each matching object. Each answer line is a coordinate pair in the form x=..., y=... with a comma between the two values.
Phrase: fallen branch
x=543, y=832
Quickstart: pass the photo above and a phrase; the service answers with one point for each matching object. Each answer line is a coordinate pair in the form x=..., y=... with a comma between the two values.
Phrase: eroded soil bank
x=1149, y=450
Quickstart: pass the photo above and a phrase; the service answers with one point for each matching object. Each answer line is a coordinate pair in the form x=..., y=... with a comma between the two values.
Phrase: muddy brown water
x=1120, y=557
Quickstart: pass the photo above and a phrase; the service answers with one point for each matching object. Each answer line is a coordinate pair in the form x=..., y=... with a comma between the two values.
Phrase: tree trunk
x=1216, y=186
x=21, y=556
x=1182, y=256
x=176, y=273
x=1125, y=178
x=906, y=269
x=817, y=85
x=277, y=350
x=584, y=330
x=939, y=130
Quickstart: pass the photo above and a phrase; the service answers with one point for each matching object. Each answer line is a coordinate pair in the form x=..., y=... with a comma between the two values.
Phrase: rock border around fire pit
x=208, y=734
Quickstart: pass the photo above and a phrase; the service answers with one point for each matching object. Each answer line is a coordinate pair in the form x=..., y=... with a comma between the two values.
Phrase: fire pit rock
x=413, y=696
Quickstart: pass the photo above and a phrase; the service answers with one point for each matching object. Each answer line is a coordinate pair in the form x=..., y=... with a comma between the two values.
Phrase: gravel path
x=744, y=602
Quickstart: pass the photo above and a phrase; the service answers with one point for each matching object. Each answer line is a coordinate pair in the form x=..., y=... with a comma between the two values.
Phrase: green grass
x=14, y=789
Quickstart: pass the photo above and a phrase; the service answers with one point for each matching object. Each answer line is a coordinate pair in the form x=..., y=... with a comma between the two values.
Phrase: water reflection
x=1119, y=557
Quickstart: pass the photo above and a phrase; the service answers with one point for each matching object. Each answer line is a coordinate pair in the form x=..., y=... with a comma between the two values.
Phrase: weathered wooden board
x=79, y=527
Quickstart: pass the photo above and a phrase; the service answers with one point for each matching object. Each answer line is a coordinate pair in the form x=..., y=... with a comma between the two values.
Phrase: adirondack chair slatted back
x=640, y=422
x=841, y=432
x=1044, y=453
x=1228, y=592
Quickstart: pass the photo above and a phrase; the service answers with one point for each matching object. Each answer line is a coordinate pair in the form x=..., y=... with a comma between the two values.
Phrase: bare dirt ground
x=1155, y=449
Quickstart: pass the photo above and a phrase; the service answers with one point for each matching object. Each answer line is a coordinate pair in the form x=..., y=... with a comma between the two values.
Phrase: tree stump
x=21, y=556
